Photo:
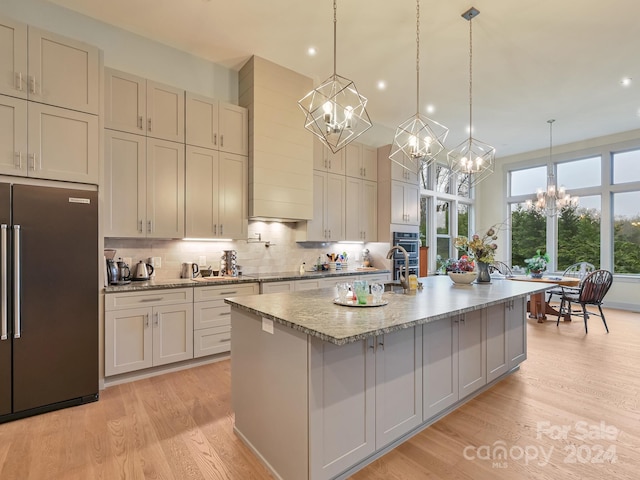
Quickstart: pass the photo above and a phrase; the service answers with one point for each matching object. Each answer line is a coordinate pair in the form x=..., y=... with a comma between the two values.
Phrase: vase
x=483, y=273
x=536, y=274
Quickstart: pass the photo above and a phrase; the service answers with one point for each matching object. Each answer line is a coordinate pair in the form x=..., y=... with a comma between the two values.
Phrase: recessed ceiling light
x=311, y=51
x=625, y=82
x=382, y=85
x=430, y=109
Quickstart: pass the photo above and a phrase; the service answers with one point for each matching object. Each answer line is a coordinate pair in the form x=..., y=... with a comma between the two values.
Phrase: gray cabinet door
x=497, y=362
x=472, y=367
x=440, y=366
x=398, y=384
x=516, y=332
x=341, y=406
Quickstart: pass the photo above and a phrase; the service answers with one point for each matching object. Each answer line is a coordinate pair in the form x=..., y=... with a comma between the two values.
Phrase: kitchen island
x=320, y=390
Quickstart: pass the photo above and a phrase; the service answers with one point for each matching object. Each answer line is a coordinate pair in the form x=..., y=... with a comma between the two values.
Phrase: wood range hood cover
x=280, y=149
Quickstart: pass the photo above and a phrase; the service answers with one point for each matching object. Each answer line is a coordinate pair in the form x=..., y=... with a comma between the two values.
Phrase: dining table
x=537, y=306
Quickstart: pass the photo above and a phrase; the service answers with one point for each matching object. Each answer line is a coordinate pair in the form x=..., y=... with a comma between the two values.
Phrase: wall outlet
x=157, y=262
x=202, y=260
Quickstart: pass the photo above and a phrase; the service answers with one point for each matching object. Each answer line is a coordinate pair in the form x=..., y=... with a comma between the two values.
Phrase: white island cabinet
x=320, y=390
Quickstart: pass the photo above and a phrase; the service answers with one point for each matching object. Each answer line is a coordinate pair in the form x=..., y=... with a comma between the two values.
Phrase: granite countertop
x=257, y=277
x=314, y=313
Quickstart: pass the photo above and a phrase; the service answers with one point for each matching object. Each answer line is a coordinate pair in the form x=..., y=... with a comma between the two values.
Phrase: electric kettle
x=142, y=271
x=112, y=272
x=189, y=270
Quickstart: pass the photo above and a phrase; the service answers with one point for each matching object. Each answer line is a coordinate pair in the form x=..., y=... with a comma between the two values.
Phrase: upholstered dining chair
x=501, y=268
x=591, y=292
x=577, y=270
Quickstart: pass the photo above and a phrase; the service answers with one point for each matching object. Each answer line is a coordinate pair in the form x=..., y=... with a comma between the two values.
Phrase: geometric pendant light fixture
x=472, y=157
x=418, y=140
x=552, y=200
x=335, y=111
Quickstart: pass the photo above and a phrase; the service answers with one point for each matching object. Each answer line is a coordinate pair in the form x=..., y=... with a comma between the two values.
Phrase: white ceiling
x=532, y=60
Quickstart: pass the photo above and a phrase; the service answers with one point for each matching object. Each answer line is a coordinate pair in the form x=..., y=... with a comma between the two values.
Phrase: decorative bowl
x=462, y=277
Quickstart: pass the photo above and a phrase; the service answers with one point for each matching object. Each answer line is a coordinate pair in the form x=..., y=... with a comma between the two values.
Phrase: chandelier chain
x=550, y=122
x=470, y=75
x=418, y=56
x=335, y=26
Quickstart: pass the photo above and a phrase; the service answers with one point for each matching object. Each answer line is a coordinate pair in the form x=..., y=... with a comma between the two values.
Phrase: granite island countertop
x=251, y=278
x=314, y=313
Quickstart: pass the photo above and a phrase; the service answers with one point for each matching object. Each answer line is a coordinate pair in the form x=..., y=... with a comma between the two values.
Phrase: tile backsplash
x=271, y=248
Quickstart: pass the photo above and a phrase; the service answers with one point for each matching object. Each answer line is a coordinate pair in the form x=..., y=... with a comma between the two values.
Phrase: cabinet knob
x=149, y=124
x=215, y=139
x=140, y=122
x=221, y=140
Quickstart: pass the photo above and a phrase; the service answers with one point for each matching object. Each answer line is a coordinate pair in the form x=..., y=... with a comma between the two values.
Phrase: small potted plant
x=537, y=264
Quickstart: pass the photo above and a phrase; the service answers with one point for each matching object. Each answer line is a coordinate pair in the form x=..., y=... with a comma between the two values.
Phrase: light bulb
x=348, y=113
x=327, y=107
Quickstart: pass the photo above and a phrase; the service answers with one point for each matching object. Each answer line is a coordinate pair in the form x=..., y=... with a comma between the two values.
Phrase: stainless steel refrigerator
x=48, y=299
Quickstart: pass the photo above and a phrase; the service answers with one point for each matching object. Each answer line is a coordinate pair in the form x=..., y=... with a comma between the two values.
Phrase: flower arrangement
x=479, y=248
x=537, y=263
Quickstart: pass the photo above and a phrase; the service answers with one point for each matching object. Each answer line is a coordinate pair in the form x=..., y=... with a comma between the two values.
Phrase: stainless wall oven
x=410, y=241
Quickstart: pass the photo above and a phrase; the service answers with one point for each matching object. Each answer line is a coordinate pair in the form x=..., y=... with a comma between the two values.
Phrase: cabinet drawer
x=118, y=301
x=223, y=291
x=214, y=313
x=211, y=340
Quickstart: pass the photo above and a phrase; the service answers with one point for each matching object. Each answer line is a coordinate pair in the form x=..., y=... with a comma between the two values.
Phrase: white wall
x=491, y=207
x=126, y=51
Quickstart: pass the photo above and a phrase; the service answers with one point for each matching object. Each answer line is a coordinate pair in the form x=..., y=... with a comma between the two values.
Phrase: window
x=626, y=167
x=626, y=232
x=579, y=233
x=580, y=173
x=463, y=186
x=463, y=220
x=528, y=233
x=527, y=181
x=443, y=177
x=443, y=230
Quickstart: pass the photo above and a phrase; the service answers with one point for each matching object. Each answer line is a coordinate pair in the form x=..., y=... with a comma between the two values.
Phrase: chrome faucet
x=404, y=279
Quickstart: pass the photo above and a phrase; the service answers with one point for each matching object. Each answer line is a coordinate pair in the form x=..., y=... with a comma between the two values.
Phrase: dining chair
x=501, y=268
x=591, y=292
x=577, y=270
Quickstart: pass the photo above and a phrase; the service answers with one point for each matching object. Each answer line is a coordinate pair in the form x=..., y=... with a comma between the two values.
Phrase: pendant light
x=335, y=111
x=552, y=200
x=472, y=158
x=418, y=140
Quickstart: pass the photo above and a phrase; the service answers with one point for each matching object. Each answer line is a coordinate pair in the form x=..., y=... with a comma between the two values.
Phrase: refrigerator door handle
x=16, y=282
x=3, y=279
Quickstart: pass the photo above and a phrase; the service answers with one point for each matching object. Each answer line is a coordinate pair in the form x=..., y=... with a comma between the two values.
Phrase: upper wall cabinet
x=327, y=161
x=48, y=68
x=216, y=125
x=136, y=105
x=361, y=161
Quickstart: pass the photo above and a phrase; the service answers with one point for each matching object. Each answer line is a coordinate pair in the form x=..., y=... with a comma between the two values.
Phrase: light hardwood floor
x=179, y=425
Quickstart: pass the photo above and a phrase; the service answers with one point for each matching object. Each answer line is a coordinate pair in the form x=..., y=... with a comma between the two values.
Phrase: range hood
x=280, y=149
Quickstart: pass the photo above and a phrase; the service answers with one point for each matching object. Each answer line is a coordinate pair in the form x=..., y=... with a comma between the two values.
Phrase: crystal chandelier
x=418, y=140
x=552, y=200
x=335, y=111
x=472, y=158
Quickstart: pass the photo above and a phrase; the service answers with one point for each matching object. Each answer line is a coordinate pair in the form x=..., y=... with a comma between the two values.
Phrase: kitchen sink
x=393, y=287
